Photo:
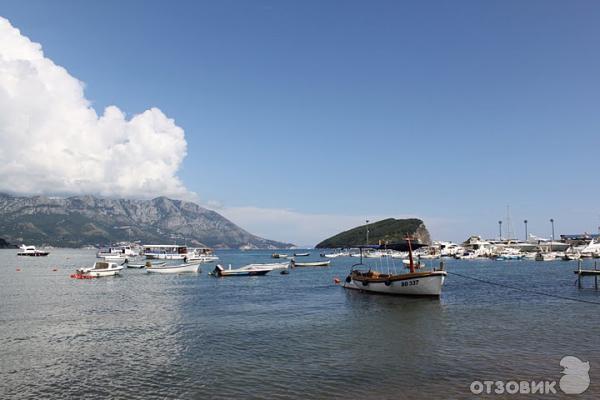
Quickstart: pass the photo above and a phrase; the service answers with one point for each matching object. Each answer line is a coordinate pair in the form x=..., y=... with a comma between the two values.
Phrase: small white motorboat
x=172, y=269
x=545, y=257
x=276, y=255
x=140, y=265
x=248, y=270
x=31, y=251
x=294, y=264
x=100, y=268
x=336, y=255
x=301, y=254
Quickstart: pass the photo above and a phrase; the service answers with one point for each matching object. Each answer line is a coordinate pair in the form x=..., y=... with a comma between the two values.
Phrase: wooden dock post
x=595, y=276
x=579, y=273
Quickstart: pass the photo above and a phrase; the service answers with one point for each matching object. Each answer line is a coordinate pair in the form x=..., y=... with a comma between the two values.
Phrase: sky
x=298, y=119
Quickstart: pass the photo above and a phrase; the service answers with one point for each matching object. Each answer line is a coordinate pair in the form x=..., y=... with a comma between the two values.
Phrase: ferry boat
x=165, y=252
x=413, y=283
x=116, y=252
x=31, y=251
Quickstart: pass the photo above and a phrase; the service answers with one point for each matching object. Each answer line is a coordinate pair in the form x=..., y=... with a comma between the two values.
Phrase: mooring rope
x=523, y=289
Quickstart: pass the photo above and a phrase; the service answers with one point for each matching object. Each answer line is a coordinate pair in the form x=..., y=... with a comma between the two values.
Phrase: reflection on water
x=293, y=336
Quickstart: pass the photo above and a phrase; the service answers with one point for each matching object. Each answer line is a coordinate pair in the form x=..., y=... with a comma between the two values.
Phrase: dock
x=587, y=272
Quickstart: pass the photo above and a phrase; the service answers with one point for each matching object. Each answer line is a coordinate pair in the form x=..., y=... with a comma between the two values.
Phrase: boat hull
x=100, y=274
x=249, y=270
x=174, y=269
x=311, y=264
x=36, y=254
x=418, y=284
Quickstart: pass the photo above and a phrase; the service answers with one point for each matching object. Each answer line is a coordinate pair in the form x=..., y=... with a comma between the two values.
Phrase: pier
x=587, y=272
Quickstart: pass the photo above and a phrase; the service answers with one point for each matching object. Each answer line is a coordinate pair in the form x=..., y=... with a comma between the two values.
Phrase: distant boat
x=165, y=252
x=301, y=254
x=545, y=257
x=248, y=270
x=200, y=255
x=100, y=268
x=140, y=265
x=173, y=269
x=294, y=264
x=31, y=251
x=276, y=255
x=336, y=255
x=116, y=252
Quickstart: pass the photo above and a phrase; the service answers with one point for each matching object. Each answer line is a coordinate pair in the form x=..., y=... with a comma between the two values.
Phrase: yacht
x=165, y=252
x=31, y=251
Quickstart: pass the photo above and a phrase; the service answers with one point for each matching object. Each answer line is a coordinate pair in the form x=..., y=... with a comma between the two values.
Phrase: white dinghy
x=172, y=269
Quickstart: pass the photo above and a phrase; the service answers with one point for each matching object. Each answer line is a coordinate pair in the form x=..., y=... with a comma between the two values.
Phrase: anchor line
x=523, y=289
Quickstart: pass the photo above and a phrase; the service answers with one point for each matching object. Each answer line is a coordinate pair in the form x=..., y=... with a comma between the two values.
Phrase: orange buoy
x=336, y=281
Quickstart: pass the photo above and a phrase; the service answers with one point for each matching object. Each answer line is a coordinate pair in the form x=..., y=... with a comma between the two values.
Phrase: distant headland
x=388, y=230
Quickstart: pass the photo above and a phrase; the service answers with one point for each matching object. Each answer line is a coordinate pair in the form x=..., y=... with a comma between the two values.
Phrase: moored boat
x=165, y=252
x=276, y=255
x=301, y=254
x=31, y=251
x=248, y=270
x=426, y=283
x=295, y=264
x=141, y=265
x=99, y=269
x=116, y=252
x=172, y=269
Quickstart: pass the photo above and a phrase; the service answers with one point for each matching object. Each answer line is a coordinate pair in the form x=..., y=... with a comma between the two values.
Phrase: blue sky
x=324, y=113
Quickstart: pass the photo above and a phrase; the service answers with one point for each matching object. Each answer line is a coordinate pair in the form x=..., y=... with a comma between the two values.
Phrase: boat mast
x=410, y=256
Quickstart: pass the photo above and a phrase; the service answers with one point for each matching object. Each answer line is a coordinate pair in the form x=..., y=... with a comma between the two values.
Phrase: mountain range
x=87, y=220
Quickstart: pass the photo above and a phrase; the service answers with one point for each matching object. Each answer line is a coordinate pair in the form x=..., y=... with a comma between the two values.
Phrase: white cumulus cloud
x=53, y=142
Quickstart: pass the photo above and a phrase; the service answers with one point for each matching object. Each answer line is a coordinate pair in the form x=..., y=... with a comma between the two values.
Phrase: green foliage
x=390, y=230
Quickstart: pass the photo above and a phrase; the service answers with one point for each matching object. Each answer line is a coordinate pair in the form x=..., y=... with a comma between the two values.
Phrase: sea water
x=296, y=336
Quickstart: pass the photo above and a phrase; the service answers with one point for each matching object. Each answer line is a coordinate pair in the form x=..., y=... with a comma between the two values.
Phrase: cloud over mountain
x=53, y=141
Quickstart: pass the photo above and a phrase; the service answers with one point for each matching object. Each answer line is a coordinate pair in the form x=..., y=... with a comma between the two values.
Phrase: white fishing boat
x=31, y=251
x=248, y=270
x=100, y=268
x=172, y=269
x=301, y=254
x=295, y=264
x=426, y=283
x=165, y=252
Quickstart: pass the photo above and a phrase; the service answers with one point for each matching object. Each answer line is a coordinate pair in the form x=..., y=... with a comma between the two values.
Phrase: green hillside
x=388, y=230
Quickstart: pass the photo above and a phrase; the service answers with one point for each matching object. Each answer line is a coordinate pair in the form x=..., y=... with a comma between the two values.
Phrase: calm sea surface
x=296, y=336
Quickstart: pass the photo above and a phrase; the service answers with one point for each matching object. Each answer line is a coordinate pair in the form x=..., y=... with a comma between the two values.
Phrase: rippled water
x=142, y=336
